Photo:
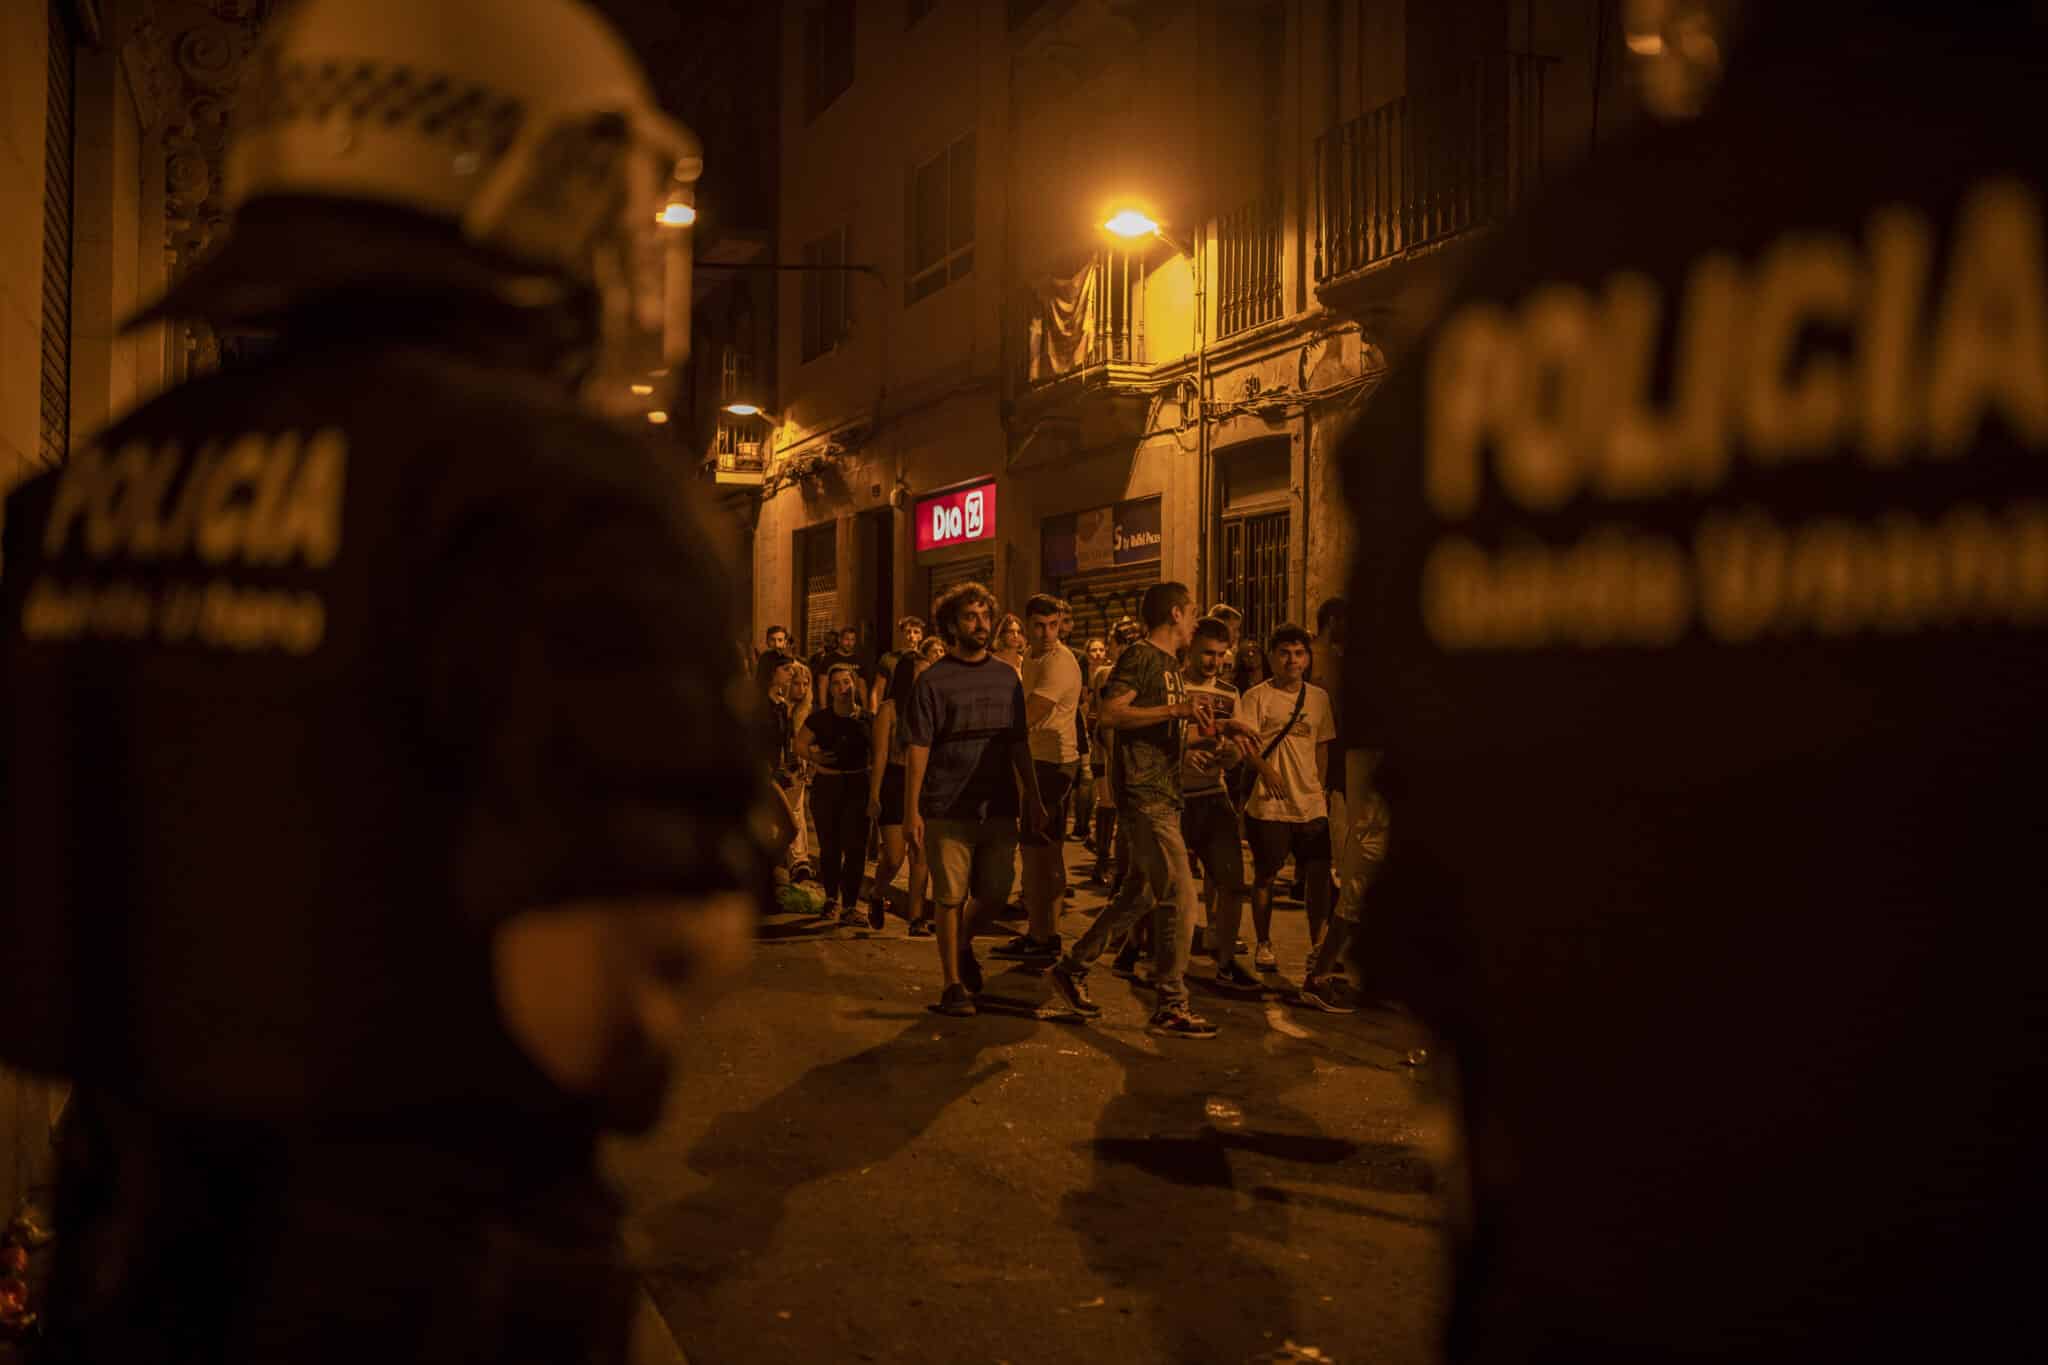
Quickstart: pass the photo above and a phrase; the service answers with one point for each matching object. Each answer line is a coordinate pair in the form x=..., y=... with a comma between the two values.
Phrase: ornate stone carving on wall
x=184, y=61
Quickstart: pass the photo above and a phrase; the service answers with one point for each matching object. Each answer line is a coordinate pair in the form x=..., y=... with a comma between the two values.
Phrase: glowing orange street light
x=676, y=214
x=1133, y=224
x=658, y=417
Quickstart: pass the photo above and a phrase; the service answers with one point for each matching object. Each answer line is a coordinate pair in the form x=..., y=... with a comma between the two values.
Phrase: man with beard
x=968, y=778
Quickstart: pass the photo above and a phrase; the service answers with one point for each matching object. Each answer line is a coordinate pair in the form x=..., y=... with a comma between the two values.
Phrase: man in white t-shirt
x=1052, y=693
x=1288, y=812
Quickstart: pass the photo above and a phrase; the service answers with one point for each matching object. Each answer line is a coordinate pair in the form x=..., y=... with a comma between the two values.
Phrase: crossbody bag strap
x=1300, y=700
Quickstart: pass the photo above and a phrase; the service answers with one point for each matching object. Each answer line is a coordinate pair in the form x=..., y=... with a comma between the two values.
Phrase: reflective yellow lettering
x=1991, y=341
x=1741, y=574
x=312, y=516
x=103, y=522
x=265, y=543
x=223, y=516
x=1900, y=245
x=1801, y=280
x=1541, y=426
x=1633, y=444
x=142, y=503
x=84, y=473
x=1461, y=390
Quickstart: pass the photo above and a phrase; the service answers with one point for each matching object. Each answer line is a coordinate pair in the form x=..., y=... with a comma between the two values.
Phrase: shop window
x=825, y=312
x=828, y=54
x=939, y=221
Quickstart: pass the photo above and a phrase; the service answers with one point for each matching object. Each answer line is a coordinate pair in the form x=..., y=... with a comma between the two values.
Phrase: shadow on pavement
x=856, y=1112
x=1184, y=1215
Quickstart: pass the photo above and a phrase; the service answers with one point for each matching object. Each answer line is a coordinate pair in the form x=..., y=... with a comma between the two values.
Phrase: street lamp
x=749, y=410
x=1135, y=223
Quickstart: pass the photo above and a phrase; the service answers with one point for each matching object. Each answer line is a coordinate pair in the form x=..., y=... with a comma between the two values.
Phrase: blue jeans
x=1157, y=880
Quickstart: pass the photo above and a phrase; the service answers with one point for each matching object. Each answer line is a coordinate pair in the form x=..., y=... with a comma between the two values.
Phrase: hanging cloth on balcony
x=1063, y=322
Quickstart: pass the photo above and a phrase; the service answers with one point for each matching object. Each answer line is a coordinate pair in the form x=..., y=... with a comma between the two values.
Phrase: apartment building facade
x=1003, y=390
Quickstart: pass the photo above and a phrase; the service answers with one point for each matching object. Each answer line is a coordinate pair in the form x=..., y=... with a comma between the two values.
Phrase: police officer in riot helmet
x=1701, y=612
x=368, y=789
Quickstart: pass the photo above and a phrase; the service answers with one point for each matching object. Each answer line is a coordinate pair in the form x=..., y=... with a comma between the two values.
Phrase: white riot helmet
x=526, y=126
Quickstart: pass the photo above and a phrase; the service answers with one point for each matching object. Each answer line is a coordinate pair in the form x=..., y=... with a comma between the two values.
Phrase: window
x=938, y=221
x=824, y=294
x=916, y=10
x=828, y=54
x=1255, y=570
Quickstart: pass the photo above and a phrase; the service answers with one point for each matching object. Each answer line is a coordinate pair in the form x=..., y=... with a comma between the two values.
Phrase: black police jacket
x=1701, y=608
x=313, y=674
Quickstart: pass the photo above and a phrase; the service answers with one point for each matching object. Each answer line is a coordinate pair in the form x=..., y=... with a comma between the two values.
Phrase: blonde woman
x=835, y=740
x=886, y=786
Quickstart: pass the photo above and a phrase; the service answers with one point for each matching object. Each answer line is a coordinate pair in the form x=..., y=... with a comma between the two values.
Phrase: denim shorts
x=975, y=858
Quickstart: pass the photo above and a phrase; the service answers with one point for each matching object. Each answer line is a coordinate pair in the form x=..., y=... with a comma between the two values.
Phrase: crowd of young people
x=1167, y=748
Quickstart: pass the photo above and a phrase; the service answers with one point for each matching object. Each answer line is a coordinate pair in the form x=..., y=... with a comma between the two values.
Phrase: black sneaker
x=1073, y=990
x=955, y=1000
x=1025, y=946
x=921, y=928
x=1126, y=963
x=1327, y=995
x=1180, y=1023
x=970, y=971
x=1232, y=977
x=878, y=914
x=853, y=917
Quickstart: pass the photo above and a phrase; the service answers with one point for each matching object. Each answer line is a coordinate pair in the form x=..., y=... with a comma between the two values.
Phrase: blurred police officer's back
x=367, y=780
x=1700, y=606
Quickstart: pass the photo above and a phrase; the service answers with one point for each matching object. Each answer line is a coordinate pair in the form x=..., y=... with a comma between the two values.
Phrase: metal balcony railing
x=1430, y=164
x=738, y=455
x=1248, y=243
x=1094, y=317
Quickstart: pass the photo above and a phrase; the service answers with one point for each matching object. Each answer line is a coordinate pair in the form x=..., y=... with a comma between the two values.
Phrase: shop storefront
x=956, y=538
x=1101, y=560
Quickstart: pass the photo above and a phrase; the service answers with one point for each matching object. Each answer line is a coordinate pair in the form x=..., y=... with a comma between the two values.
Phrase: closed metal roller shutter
x=945, y=577
x=1100, y=596
x=58, y=162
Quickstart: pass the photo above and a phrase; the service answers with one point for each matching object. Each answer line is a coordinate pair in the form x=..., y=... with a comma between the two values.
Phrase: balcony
x=1091, y=324
x=1248, y=247
x=739, y=457
x=1428, y=166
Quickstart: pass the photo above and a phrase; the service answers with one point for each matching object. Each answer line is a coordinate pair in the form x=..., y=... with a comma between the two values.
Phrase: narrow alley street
x=846, y=1175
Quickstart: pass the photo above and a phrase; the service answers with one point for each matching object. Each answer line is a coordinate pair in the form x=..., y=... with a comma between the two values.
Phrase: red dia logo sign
x=957, y=518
